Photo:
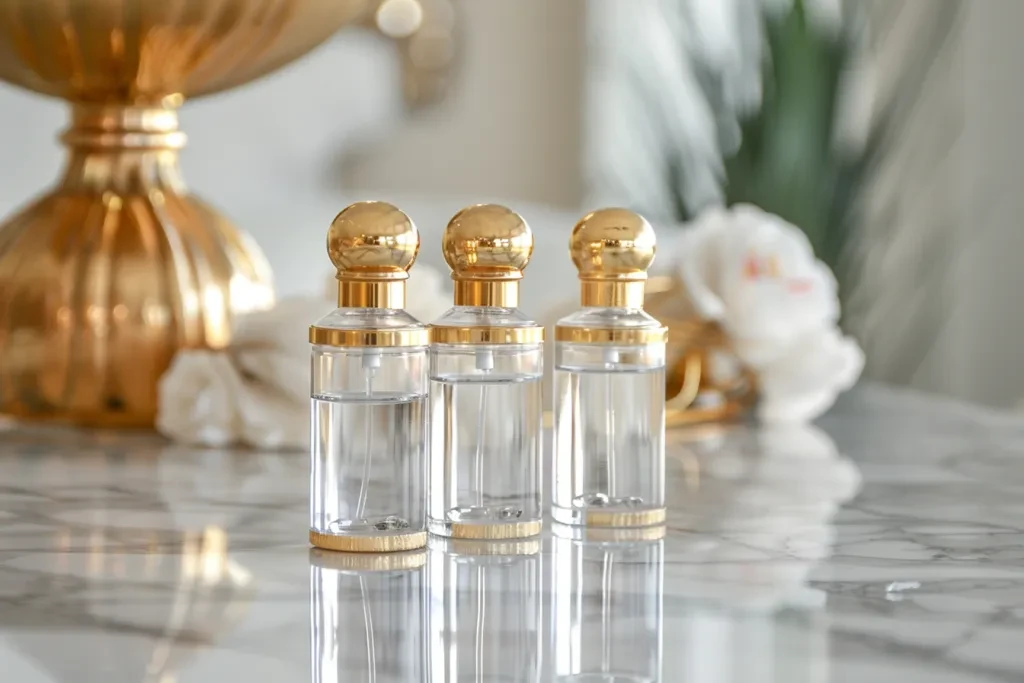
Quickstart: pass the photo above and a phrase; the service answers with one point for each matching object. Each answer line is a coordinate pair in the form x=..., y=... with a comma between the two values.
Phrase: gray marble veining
x=884, y=544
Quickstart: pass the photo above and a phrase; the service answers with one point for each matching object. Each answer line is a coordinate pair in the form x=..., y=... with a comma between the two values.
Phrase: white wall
x=992, y=278
x=510, y=126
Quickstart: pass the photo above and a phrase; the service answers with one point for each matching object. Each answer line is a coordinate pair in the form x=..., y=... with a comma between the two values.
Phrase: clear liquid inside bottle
x=609, y=451
x=368, y=447
x=485, y=440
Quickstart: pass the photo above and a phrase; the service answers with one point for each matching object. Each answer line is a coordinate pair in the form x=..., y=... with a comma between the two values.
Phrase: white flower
x=804, y=384
x=757, y=276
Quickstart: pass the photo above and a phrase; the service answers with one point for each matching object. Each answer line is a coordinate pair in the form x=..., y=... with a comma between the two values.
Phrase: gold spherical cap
x=372, y=241
x=487, y=242
x=612, y=244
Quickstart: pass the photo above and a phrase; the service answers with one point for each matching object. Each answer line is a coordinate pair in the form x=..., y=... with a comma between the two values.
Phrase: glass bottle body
x=484, y=618
x=609, y=449
x=607, y=620
x=367, y=616
x=368, y=447
x=486, y=405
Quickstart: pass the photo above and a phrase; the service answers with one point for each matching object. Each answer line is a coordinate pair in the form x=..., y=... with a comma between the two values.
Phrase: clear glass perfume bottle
x=368, y=442
x=486, y=369
x=367, y=616
x=484, y=618
x=607, y=605
x=609, y=403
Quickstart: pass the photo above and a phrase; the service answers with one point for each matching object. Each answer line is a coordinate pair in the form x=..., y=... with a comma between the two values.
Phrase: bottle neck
x=494, y=293
x=371, y=294
x=612, y=294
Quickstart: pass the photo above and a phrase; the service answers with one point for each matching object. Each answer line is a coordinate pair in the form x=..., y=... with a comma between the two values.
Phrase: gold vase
x=106, y=276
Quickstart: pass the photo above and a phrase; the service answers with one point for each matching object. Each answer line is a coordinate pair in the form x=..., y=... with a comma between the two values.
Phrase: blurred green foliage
x=788, y=163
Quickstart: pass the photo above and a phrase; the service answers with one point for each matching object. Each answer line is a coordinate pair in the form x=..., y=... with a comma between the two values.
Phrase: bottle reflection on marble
x=607, y=605
x=367, y=617
x=484, y=615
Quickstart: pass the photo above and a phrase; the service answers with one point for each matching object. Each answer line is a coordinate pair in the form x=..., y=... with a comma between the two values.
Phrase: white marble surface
x=124, y=559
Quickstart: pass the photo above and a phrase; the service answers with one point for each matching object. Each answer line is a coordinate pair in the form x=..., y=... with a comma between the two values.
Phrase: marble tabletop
x=884, y=544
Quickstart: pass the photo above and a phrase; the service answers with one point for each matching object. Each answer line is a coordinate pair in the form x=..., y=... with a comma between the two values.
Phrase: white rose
x=803, y=384
x=757, y=276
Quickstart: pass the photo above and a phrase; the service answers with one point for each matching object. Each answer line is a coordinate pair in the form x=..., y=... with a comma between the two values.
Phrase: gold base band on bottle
x=500, y=293
x=600, y=335
x=369, y=544
x=602, y=518
x=491, y=532
x=368, y=562
x=613, y=293
x=533, y=334
x=371, y=293
x=328, y=336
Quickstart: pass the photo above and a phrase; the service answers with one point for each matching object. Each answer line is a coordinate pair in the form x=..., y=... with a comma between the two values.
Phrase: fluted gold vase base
x=105, y=278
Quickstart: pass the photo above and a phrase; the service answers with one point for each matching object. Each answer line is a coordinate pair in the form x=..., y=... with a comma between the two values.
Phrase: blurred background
x=887, y=131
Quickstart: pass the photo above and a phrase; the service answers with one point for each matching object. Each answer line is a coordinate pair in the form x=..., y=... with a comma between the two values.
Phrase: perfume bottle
x=485, y=613
x=367, y=616
x=368, y=441
x=607, y=604
x=486, y=368
x=609, y=403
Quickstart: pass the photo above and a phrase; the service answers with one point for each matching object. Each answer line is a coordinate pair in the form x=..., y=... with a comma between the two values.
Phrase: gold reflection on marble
x=609, y=534
x=367, y=562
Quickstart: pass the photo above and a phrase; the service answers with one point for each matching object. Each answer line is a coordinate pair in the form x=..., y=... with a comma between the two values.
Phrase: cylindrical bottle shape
x=609, y=462
x=484, y=616
x=367, y=616
x=368, y=447
x=486, y=378
x=486, y=431
x=607, y=608
x=368, y=392
x=609, y=452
